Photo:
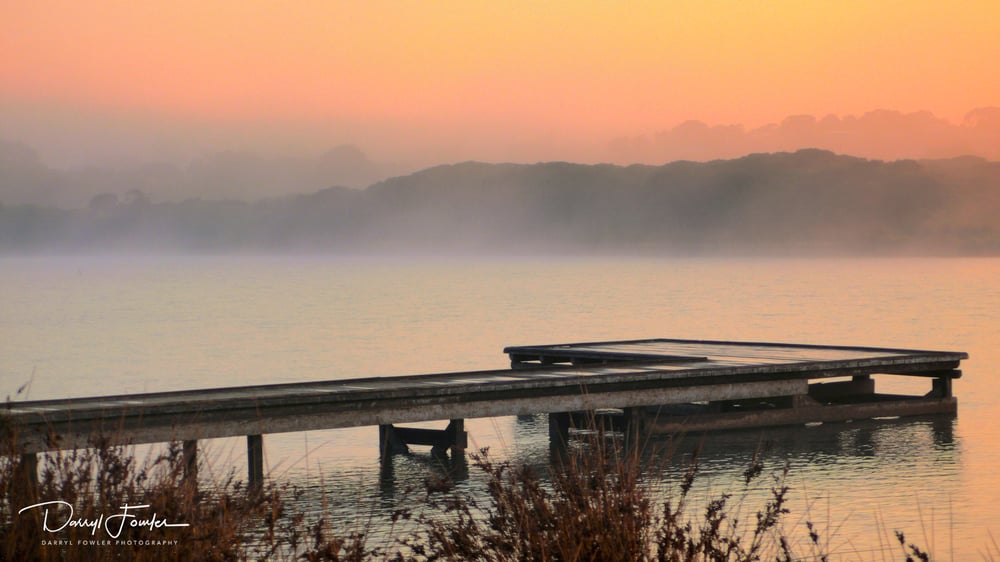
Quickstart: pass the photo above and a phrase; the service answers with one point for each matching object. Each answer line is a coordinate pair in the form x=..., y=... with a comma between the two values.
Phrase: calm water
x=85, y=326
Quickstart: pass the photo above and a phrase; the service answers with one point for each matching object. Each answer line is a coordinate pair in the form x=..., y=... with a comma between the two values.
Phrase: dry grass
x=596, y=506
x=225, y=521
x=593, y=505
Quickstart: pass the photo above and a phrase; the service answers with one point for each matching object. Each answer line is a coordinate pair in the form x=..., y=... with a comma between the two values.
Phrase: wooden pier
x=659, y=385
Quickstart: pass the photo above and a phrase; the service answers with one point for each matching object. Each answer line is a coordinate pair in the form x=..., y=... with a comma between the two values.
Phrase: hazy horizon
x=246, y=101
x=808, y=202
x=46, y=175
x=95, y=139
x=120, y=85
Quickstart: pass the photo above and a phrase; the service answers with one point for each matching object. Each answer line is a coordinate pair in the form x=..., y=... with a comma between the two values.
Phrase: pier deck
x=722, y=380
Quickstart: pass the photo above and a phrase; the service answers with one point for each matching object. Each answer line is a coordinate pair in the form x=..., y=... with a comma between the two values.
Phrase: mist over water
x=84, y=326
x=806, y=203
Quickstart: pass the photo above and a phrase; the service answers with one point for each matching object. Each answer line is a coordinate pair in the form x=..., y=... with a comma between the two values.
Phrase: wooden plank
x=776, y=353
x=255, y=410
x=721, y=348
x=790, y=345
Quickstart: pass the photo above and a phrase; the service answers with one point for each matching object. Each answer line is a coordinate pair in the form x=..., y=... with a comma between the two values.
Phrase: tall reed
x=595, y=503
x=223, y=520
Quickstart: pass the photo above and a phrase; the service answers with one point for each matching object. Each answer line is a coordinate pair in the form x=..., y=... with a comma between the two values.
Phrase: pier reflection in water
x=841, y=464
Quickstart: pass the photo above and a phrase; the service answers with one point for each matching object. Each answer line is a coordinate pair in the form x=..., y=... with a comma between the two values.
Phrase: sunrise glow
x=495, y=77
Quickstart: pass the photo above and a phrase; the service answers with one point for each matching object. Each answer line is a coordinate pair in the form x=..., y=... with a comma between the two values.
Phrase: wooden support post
x=942, y=387
x=632, y=426
x=386, y=477
x=458, y=466
x=27, y=478
x=255, y=461
x=389, y=442
x=22, y=492
x=453, y=437
x=189, y=454
x=383, y=441
x=559, y=429
x=457, y=436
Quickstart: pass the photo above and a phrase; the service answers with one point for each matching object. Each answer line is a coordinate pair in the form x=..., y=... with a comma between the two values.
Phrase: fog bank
x=810, y=202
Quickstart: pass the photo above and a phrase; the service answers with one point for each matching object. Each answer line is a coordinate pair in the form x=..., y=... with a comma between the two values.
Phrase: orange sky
x=509, y=80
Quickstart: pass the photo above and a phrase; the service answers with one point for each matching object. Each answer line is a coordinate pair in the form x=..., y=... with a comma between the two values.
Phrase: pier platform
x=833, y=383
x=656, y=384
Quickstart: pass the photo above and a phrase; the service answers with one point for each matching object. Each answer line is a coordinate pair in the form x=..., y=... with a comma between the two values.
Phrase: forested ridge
x=809, y=202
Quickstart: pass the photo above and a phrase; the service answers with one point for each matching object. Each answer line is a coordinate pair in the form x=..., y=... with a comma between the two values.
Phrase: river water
x=80, y=326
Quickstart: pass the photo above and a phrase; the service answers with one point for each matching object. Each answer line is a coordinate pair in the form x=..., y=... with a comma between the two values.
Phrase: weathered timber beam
x=833, y=390
x=396, y=440
x=205, y=425
x=802, y=415
x=422, y=436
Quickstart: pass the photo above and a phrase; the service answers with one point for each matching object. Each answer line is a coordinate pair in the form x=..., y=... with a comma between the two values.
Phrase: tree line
x=809, y=202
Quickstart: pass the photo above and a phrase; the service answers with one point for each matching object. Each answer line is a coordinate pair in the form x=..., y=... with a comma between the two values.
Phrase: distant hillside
x=26, y=180
x=803, y=203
